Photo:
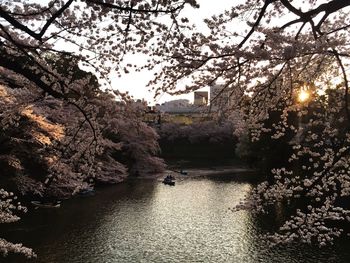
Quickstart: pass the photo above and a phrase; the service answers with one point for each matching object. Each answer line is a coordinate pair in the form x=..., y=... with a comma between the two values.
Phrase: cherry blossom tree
x=7, y=208
x=287, y=47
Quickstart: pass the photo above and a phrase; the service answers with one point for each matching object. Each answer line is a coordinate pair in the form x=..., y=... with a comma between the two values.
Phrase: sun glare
x=303, y=96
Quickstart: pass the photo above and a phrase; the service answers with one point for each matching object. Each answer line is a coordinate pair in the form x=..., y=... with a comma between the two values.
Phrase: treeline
x=207, y=139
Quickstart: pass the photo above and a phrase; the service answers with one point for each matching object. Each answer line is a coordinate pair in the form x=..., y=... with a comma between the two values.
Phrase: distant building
x=201, y=98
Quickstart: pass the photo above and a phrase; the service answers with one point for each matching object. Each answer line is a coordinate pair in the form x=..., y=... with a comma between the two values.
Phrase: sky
x=135, y=83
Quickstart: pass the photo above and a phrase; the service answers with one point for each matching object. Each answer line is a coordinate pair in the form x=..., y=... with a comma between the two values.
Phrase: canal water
x=146, y=221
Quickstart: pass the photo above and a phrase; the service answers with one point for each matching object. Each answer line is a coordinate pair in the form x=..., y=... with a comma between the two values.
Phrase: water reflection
x=146, y=221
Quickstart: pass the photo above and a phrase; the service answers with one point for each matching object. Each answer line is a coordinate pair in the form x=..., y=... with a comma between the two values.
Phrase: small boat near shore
x=169, y=180
x=39, y=204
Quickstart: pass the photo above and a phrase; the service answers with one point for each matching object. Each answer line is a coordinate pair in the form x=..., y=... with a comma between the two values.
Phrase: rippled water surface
x=146, y=221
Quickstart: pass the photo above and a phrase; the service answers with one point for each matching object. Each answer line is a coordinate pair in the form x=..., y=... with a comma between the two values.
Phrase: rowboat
x=169, y=180
x=46, y=205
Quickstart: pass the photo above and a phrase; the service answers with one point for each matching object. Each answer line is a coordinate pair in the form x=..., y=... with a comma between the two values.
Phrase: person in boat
x=169, y=178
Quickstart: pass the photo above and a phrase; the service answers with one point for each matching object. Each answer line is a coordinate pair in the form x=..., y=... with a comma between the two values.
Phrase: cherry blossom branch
x=346, y=83
x=44, y=10
x=53, y=18
x=337, y=29
x=15, y=23
x=21, y=69
x=38, y=36
x=308, y=16
x=136, y=10
x=257, y=22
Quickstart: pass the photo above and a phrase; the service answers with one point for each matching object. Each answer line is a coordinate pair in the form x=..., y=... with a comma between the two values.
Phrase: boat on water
x=39, y=204
x=169, y=180
x=183, y=172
